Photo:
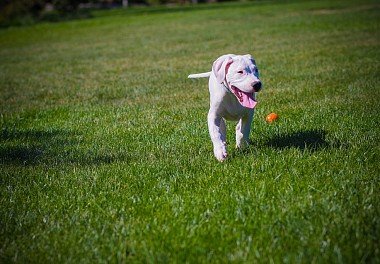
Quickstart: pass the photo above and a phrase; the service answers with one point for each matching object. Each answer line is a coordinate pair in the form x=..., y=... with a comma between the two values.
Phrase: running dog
x=233, y=82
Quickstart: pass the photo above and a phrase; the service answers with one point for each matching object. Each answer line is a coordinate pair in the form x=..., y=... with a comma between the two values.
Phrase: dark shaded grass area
x=93, y=13
x=50, y=148
x=55, y=147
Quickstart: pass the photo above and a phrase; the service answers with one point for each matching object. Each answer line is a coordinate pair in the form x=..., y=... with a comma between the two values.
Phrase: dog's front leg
x=217, y=130
x=243, y=129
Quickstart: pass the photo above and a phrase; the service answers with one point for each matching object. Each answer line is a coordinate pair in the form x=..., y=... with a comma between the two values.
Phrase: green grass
x=105, y=154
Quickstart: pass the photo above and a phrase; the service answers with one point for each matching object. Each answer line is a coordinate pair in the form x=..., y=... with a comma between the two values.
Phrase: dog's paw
x=242, y=144
x=220, y=153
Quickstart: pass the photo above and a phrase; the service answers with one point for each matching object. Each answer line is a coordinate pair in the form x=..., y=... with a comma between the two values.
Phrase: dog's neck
x=225, y=85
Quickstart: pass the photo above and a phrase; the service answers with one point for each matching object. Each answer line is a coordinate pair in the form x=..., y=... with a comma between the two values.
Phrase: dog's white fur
x=228, y=73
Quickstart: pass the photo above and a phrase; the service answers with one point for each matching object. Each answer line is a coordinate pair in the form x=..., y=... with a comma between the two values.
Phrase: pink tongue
x=245, y=99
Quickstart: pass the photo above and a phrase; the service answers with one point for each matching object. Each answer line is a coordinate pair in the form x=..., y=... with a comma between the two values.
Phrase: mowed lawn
x=105, y=153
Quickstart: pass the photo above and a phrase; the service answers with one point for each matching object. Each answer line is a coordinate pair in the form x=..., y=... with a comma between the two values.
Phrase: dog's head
x=241, y=75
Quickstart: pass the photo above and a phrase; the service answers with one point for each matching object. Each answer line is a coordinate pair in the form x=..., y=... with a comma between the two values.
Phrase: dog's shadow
x=312, y=140
x=309, y=140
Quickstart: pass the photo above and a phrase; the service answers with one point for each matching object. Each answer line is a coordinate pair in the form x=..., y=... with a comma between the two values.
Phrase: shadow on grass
x=37, y=147
x=313, y=140
x=60, y=17
x=141, y=9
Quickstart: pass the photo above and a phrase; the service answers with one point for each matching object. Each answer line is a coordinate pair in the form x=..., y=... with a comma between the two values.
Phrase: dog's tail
x=200, y=75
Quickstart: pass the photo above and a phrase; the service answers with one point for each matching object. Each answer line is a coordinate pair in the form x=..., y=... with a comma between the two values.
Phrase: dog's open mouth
x=245, y=99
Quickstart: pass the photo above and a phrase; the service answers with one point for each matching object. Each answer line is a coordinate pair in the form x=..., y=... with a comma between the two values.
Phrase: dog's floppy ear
x=219, y=67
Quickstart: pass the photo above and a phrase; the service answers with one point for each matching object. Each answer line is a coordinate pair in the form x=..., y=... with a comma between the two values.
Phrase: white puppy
x=234, y=79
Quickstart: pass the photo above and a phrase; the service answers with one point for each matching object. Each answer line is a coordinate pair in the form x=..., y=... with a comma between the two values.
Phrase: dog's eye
x=241, y=72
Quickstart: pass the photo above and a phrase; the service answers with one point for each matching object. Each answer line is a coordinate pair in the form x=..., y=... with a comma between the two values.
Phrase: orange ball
x=271, y=117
